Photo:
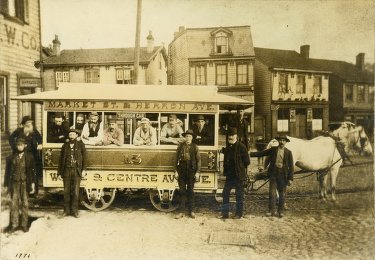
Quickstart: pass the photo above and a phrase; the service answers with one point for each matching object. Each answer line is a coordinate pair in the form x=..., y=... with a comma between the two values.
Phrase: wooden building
x=20, y=45
x=351, y=88
x=108, y=65
x=221, y=56
x=291, y=94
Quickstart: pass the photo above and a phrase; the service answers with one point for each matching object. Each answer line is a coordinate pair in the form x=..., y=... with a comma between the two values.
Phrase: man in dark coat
x=20, y=181
x=203, y=135
x=280, y=171
x=236, y=161
x=72, y=167
x=187, y=168
x=58, y=131
x=33, y=141
x=241, y=124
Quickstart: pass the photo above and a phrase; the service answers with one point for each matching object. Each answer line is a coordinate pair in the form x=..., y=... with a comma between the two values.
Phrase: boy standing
x=21, y=182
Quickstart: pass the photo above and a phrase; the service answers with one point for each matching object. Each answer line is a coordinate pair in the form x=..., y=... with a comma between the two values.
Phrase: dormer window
x=221, y=41
x=221, y=44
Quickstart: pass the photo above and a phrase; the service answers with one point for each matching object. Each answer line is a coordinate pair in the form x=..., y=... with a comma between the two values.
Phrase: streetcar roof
x=115, y=92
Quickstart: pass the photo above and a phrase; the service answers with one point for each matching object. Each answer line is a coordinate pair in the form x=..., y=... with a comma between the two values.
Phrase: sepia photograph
x=187, y=129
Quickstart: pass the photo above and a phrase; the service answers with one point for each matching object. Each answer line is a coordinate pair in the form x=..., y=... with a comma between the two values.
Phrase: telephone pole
x=137, y=41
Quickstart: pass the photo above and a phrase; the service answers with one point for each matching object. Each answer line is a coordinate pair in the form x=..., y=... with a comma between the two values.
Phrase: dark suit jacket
x=241, y=160
x=206, y=136
x=30, y=171
x=195, y=157
x=288, y=164
x=79, y=154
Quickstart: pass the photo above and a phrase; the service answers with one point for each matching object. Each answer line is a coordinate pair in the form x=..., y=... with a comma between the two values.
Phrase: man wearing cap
x=203, y=135
x=113, y=134
x=187, y=168
x=236, y=160
x=20, y=181
x=280, y=172
x=33, y=140
x=145, y=134
x=92, y=132
x=58, y=132
x=72, y=167
x=171, y=132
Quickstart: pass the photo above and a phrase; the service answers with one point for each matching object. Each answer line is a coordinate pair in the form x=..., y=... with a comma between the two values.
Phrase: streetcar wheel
x=106, y=199
x=164, y=206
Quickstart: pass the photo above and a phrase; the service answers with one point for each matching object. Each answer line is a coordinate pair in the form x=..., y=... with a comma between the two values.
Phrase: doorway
x=301, y=123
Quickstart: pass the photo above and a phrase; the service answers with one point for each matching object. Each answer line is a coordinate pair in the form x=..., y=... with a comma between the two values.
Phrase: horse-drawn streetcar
x=127, y=165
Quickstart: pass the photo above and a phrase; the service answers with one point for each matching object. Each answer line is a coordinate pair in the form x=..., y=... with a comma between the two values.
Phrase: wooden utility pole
x=137, y=41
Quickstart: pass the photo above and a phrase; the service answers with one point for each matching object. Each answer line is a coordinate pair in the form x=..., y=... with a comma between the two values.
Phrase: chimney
x=56, y=46
x=360, y=61
x=150, y=42
x=305, y=51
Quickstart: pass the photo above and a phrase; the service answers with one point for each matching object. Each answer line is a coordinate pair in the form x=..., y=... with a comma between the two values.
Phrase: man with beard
x=241, y=124
x=33, y=140
x=58, y=132
x=92, y=132
x=113, y=134
x=72, y=167
x=80, y=122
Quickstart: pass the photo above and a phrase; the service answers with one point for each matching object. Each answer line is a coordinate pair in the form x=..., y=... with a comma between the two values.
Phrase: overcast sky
x=334, y=29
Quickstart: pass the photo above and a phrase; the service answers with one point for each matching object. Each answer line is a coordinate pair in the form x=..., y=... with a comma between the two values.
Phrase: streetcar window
x=146, y=129
x=58, y=124
x=172, y=128
x=203, y=127
x=113, y=133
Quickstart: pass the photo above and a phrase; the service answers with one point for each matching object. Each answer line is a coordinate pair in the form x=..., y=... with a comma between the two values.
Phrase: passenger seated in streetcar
x=92, y=132
x=58, y=131
x=171, y=132
x=145, y=134
x=113, y=134
x=203, y=135
x=80, y=122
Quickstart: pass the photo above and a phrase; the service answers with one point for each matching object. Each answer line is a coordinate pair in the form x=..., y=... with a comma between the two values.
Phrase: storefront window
x=283, y=120
x=317, y=120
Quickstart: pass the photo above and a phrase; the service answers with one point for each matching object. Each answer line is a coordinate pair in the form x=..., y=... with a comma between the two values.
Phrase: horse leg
x=322, y=186
x=333, y=173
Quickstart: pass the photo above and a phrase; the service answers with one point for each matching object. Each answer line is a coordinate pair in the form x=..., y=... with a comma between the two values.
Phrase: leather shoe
x=13, y=229
x=179, y=215
x=25, y=229
x=192, y=214
x=76, y=215
x=281, y=215
x=270, y=214
x=65, y=214
x=223, y=217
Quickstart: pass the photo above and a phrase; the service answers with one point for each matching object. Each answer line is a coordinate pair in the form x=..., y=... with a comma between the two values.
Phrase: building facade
x=291, y=94
x=352, y=87
x=20, y=45
x=106, y=66
x=221, y=56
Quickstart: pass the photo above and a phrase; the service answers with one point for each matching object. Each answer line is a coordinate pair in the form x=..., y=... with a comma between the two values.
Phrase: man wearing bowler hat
x=280, y=172
x=187, y=168
x=72, y=167
x=203, y=135
x=236, y=160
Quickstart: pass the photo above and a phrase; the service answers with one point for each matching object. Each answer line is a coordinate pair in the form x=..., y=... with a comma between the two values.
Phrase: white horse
x=355, y=138
x=317, y=155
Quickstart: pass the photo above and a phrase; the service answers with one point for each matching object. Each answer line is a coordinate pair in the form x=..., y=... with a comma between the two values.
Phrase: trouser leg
x=226, y=194
x=67, y=190
x=190, y=191
x=14, y=213
x=272, y=194
x=24, y=206
x=182, y=187
x=239, y=198
x=76, y=180
x=281, y=187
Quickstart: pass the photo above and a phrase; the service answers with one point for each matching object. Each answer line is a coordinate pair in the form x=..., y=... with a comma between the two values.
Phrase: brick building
x=291, y=94
x=108, y=65
x=20, y=45
x=221, y=56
